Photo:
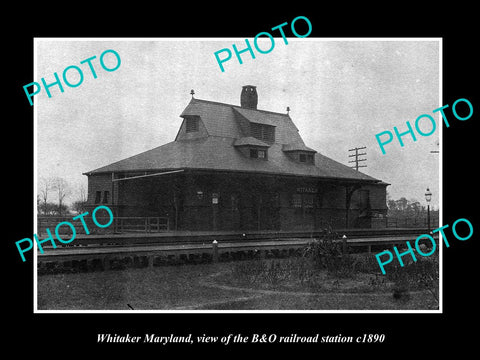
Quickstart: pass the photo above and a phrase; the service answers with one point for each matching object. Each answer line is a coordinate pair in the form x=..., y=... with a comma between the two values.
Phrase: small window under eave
x=191, y=124
x=256, y=153
x=304, y=157
x=263, y=132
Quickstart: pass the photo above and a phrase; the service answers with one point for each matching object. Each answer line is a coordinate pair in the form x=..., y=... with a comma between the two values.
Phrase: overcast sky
x=341, y=93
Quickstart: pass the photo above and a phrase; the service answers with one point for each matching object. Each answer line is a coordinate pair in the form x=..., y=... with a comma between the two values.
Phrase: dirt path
x=248, y=296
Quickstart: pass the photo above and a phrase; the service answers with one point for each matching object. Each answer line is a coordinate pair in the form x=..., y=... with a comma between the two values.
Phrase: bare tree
x=44, y=186
x=80, y=205
x=62, y=188
x=83, y=193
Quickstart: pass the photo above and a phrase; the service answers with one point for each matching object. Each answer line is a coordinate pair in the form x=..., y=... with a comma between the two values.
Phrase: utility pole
x=357, y=160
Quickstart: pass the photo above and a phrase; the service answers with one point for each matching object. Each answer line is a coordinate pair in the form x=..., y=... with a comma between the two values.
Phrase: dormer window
x=300, y=153
x=263, y=132
x=252, y=148
x=302, y=157
x=306, y=158
x=258, y=153
x=191, y=124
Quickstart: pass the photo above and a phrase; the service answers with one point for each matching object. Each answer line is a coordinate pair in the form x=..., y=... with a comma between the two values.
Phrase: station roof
x=249, y=140
x=216, y=151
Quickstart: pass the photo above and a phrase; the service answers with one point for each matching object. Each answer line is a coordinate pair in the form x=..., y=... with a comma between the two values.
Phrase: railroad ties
x=83, y=259
x=116, y=252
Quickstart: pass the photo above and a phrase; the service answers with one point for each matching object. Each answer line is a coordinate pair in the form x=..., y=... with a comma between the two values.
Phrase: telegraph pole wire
x=357, y=160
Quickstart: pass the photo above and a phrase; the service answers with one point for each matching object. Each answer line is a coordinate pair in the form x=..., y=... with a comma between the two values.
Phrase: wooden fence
x=412, y=222
x=119, y=225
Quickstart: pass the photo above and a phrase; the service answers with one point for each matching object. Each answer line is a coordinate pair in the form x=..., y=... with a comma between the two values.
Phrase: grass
x=283, y=284
x=147, y=288
x=324, y=278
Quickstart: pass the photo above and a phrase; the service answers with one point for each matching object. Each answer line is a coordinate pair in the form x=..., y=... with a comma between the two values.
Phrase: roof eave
x=264, y=173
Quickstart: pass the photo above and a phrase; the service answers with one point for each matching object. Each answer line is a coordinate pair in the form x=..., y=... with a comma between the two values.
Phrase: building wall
x=234, y=202
x=99, y=183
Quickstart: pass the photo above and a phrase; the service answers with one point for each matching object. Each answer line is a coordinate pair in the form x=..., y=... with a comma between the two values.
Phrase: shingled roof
x=216, y=150
x=249, y=141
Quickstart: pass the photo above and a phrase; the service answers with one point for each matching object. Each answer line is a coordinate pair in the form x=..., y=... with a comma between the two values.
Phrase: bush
x=420, y=275
x=324, y=260
x=272, y=271
x=328, y=253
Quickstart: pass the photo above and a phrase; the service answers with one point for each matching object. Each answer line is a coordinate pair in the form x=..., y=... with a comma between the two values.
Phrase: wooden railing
x=149, y=224
x=413, y=222
x=140, y=224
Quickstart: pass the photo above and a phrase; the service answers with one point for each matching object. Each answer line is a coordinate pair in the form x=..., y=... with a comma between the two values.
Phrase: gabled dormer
x=192, y=128
x=251, y=132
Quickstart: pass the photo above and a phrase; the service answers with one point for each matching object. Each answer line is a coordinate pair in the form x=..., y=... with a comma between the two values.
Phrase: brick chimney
x=249, y=97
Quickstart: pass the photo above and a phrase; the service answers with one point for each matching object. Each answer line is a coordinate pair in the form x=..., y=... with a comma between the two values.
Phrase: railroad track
x=187, y=237
x=101, y=251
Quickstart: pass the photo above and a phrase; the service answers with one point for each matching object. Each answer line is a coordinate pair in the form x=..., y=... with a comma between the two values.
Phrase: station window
x=106, y=195
x=234, y=202
x=303, y=158
x=310, y=158
x=98, y=196
x=297, y=200
x=258, y=154
x=306, y=201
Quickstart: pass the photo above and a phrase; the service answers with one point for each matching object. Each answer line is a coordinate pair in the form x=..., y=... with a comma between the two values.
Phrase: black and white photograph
x=262, y=187
x=240, y=179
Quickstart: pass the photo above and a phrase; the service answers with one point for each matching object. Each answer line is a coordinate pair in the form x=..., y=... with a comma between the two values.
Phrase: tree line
x=407, y=208
x=52, y=195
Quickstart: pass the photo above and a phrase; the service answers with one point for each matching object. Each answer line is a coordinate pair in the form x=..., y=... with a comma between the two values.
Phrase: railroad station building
x=235, y=167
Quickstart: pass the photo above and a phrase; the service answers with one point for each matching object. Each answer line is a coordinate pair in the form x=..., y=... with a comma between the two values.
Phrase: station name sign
x=309, y=190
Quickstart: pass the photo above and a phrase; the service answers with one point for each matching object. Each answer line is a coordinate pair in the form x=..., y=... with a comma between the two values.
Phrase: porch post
x=349, y=190
x=113, y=195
